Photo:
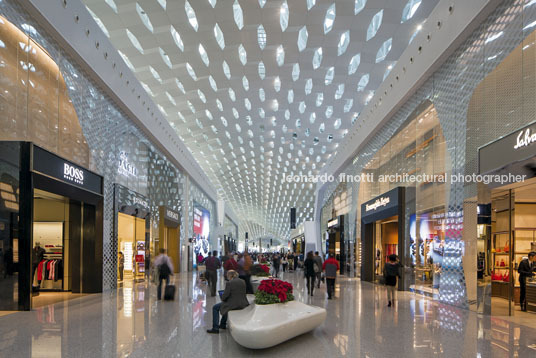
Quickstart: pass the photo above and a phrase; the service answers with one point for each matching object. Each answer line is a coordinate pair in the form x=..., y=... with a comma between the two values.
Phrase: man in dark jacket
x=318, y=267
x=233, y=298
x=331, y=267
x=525, y=270
x=212, y=264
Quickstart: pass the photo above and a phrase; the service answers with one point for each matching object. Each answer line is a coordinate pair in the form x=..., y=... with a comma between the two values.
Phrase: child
x=391, y=271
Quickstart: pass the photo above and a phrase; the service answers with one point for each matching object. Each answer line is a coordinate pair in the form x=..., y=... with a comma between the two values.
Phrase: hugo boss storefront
x=51, y=227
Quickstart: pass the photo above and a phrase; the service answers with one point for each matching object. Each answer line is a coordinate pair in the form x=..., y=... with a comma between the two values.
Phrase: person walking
x=276, y=262
x=318, y=267
x=233, y=298
x=330, y=267
x=284, y=263
x=525, y=270
x=391, y=272
x=244, y=265
x=295, y=261
x=212, y=264
x=310, y=274
x=121, y=265
x=165, y=269
x=230, y=264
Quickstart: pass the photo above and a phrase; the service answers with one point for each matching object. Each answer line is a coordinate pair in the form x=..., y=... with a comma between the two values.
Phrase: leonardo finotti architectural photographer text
x=407, y=178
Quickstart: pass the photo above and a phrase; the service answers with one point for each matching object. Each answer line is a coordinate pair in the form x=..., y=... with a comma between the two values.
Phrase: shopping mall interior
x=240, y=178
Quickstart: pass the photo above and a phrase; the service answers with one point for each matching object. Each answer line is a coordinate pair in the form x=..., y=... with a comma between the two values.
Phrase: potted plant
x=260, y=270
x=272, y=291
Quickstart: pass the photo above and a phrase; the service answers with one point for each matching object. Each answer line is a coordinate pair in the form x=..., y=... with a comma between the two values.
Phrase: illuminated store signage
x=525, y=138
x=125, y=167
x=73, y=174
x=63, y=170
x=332, y=223
x=172, y=214
x=513, y=148
x=378, y=203
x=141, y=202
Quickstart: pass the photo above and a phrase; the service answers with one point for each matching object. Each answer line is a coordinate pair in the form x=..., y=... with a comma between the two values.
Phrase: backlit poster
x=201, y=224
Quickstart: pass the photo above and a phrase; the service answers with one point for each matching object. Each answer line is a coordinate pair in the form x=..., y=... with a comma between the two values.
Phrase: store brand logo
x=141, y=202
x=377, y=204
x=125, y=168
x=73, y=174
x=525, y=138
x=173, y=215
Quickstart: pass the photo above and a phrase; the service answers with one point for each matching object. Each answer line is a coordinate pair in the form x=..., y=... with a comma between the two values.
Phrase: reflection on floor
x=499, y=308
x=131, y=322
x=50, y=298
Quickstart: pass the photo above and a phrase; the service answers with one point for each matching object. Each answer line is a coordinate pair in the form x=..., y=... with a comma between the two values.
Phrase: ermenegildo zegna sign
x=63, y=170
x=517, y=146
x=380, y=203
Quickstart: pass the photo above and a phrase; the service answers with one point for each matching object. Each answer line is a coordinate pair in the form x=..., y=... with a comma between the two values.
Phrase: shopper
x=165, y=268
x=276, y=262
x=391, y=272
x=230, y=264
x=526, y=270
x=38, y=255
x=244, y=265
x=121, y=265
x=233, y=298
x=331, y=267
x=212, y=264
x=284, y=263
x=295, y=261
x=318, y=267
x=310, y=274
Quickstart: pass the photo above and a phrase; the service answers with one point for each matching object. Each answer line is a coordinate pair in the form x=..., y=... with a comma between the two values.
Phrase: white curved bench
x=263, y=326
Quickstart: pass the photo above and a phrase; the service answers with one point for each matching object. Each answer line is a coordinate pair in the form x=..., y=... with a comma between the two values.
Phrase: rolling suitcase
x=169, y=293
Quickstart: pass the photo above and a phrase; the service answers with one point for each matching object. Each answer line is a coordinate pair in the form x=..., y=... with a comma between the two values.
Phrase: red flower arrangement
x=265, y=268
x=273, y=291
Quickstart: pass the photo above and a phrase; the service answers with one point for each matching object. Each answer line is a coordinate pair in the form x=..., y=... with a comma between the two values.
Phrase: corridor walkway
x=131, y=322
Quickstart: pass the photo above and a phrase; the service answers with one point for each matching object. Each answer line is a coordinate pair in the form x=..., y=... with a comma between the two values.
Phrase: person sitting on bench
x=233, y=298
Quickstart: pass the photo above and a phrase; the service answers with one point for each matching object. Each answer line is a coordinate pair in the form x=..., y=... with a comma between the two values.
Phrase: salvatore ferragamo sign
x=517, y=146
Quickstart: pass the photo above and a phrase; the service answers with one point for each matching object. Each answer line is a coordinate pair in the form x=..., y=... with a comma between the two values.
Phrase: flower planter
x=263, y=326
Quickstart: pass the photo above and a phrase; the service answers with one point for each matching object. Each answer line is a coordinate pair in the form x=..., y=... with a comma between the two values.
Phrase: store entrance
x=385, y=243
x=513, y=237
x=131, y=247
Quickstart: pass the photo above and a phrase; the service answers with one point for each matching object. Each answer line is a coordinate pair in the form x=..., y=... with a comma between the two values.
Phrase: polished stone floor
x=131, y=322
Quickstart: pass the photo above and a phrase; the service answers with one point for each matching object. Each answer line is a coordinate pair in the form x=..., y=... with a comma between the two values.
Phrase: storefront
x=298, y=244
x=511, y=232
x=132, y=234
x=51, y=227
x=383, y=233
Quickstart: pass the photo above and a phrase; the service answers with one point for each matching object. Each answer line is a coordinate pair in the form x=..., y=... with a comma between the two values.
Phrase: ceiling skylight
x=283, y=16
x=177, y=38
x=218, y=34
x=203, y=55
x=330, y=73
x=245, y=83
x=303, y=35
x=191, y=71
x=329, y=19
x=363, y=82
x=201, y=96
x=165, y=57
x=133, y=39
x=374, y=25
x=262, y=3
x=310, y=4
x=354, y=64
x=144, y=17
x=226, y=70
x=238, y=15
x=319, y=99
x=359, y=5
x=98, y=21
x=280, y=56
x=384, y=50
x=348, y=105
x=242, y=55
x=340, y=91
x=277, y=84
x=213, y=83
x=212, y=3
x=261, y=37
x=232, y=94
x=290, y=96
x=112, y=4
x=295, y=72
x=317, y=58
x=180, y=86
x=262, y=95
x=262, y=70
x=190, y=13
x=344, y=41
x=410, y=9
x=127, y=61
x=308, y=86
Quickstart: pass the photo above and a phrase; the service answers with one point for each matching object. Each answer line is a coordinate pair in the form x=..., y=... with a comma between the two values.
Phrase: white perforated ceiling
x=259, y=89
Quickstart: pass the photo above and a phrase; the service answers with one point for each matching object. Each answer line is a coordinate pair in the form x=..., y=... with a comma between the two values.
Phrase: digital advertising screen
x=201, y=231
